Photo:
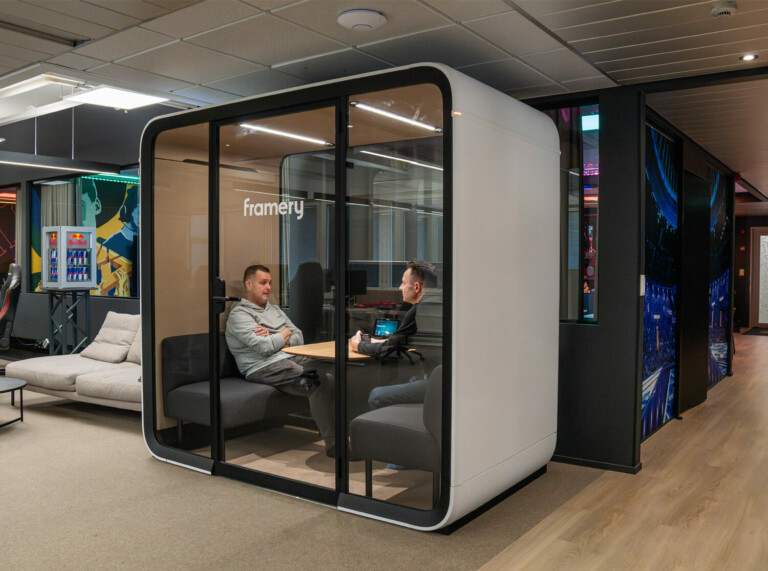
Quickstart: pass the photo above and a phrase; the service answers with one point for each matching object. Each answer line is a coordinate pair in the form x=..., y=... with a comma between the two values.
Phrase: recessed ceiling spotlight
x=723, y=9
x=361, y=20
x=748, y=57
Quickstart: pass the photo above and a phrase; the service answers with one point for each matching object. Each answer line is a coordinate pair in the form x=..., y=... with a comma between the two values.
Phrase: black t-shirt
x=398, y=339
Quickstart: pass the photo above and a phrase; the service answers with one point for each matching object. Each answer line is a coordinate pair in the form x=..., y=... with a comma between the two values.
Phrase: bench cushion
x=242, y=402
x=121, y=384
x=58, y=372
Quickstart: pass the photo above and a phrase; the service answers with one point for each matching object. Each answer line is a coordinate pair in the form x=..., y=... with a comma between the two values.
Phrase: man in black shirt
x=417, y=276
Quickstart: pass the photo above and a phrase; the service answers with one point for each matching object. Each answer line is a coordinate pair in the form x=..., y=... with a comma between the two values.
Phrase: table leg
x=13, y=398
x=21, y=404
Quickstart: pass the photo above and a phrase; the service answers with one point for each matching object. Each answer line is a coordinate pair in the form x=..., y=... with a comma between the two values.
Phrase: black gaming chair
x=9, y=299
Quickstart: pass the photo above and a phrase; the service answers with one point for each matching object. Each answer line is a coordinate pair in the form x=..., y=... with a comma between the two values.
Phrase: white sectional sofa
x=107, y=372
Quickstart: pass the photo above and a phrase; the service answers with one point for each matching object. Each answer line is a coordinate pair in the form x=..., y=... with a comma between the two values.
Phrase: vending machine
x=69, y=257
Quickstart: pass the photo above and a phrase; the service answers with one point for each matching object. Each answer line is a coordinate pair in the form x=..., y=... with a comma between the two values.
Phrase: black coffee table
x=9, y=384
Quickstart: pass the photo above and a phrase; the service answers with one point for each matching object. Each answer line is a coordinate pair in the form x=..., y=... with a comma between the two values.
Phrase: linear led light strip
x=285, y=134
x=395, y=116
x=19, y=164
x=410, y=162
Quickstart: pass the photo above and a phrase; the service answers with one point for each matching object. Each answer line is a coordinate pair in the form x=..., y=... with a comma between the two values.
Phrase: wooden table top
x=325, y=350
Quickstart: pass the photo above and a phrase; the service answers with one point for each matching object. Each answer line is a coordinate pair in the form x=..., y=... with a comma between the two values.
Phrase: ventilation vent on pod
x=724, y=9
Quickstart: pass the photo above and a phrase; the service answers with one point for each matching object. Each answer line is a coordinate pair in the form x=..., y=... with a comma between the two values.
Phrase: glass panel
x=180, y=266
x=662, y=164
x=52, y=203
x=394, y=311
x=579, y=129
x=763, y=303
x=277, y=186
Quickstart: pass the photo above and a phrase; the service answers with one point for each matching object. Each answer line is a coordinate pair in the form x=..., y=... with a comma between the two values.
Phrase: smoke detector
x=361, y=20
x=724, y=9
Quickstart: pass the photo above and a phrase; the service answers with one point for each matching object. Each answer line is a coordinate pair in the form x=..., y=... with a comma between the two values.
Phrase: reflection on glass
x=180, y=220
x=276, y=193
x=395, y=214
x=579, y=129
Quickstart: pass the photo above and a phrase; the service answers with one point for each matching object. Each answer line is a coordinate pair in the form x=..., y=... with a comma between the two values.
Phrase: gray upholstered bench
x=186, y=387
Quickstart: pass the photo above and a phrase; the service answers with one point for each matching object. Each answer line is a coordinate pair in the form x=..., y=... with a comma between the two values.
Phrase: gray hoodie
x=251, y=351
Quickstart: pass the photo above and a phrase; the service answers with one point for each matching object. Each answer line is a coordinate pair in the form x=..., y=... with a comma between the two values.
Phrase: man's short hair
x=250, y=271
x=423, y=272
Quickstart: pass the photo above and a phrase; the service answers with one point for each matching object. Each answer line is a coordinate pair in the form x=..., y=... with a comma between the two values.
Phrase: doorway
x=758, y=286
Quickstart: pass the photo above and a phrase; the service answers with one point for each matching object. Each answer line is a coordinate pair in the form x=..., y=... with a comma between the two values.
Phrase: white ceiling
x=198, y=52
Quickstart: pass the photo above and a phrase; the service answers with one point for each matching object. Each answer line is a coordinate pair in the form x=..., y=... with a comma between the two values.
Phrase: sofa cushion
x=134, y=353
x=57, y=372
x=114, y=339
x=120, y=384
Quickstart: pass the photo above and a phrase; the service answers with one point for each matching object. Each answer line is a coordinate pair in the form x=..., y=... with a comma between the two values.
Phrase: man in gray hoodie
x=256, y=333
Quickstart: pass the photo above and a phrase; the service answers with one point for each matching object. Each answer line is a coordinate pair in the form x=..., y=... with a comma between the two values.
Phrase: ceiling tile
x=466, y=10
x=403, y=17
x=506, y=75
x=543, y=7
x=20, y=53
x=590, y=83
x=36, y=18
x=331, y=66
x=561, y=65
x=452, y=46
x=135, y=8
x=173, y=4
x=256, y=83
x=526, y=39
x=200, y=17
x=678, y=34
x=540, y=91
x=32, y=43
x=264, y=38
x=116, y=46
x=734, y=50
x=75, y=61
x=205, y=94
x=88, y=12
x=138, y=78
x=685, y=68
x=11, y=62
x=269, y=4
x=189, y=63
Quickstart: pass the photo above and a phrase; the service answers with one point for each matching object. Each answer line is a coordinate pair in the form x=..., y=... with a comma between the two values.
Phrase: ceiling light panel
x=115, y=98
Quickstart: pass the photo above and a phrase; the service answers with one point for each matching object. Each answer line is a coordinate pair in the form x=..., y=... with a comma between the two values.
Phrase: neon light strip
x=395, y=116
x=18, y=164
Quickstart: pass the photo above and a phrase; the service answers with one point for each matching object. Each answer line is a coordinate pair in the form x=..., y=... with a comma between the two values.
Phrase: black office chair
x=403, y=434
x=9, y=299
x=305, y=299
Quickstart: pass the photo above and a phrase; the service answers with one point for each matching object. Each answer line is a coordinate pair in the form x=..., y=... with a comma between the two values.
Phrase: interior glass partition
x=180, y=273
x=247, y=226
x=395, y=213
x=276, y=183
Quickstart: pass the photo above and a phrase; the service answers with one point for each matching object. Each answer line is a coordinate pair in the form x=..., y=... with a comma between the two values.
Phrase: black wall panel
x=599, y=398
x=54, y=134
x=19, y=137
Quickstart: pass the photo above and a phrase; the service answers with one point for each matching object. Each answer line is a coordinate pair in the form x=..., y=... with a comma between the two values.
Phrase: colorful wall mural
x=662, y=281
x=720, y=254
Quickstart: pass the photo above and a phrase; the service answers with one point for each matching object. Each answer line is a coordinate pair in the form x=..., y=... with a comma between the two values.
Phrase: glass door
x=758, y=312
x=275, y=253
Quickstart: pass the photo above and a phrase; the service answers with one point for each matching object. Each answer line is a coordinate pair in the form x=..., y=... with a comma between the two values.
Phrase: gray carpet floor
x=79, y=489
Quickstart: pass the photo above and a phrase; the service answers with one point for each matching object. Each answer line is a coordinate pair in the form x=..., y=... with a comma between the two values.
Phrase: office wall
x=100, y=134
x=599, y=377
x=744, y=225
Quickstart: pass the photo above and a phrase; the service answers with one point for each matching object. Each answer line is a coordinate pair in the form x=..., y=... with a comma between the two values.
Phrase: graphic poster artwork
x=112, y=206
x=719, y=267
x=662, y=280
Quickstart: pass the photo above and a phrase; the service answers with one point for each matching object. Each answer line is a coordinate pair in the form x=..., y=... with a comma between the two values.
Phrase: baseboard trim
x=600, y=465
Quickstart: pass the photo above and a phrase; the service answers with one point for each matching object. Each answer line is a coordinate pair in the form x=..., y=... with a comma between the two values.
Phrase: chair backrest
x=305, y=300
x=433, y=404
x=184, y=360
x=9, y=294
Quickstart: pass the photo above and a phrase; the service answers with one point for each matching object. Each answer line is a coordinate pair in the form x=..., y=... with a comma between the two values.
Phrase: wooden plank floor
x=700, y=501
